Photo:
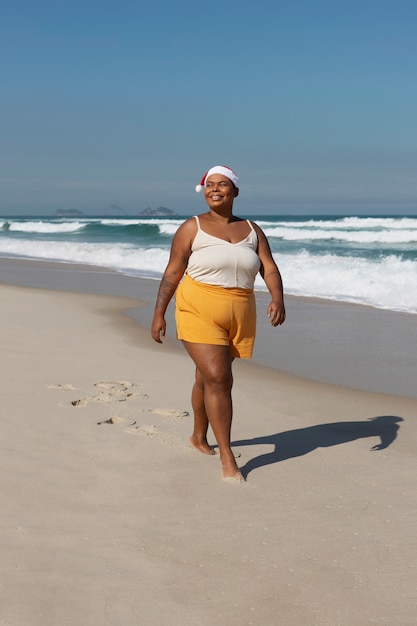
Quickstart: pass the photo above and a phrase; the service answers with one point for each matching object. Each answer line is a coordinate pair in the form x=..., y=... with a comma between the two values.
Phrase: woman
x=221, y=255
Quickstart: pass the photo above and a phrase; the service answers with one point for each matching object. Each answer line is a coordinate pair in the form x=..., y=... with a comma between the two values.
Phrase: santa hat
x=219, y=169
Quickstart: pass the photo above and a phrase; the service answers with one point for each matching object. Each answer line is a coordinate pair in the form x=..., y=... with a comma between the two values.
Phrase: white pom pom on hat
x=219, y=169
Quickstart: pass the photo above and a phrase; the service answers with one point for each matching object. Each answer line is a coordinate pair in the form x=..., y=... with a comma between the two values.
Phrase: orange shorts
x=217, y=316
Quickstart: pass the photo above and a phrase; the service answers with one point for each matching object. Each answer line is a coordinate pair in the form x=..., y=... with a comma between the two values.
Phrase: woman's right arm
x=178, y=259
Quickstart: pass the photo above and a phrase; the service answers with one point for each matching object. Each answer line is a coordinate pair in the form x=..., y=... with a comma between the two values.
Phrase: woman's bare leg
x=199, y=437
x=214, y=364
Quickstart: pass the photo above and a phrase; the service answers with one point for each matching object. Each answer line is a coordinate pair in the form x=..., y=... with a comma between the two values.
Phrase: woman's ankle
x=201, y=444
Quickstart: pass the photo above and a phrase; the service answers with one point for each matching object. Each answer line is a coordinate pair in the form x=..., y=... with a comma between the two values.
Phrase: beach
x=110, y=518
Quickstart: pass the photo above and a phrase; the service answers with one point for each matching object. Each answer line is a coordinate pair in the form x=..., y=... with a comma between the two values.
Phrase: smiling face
x=220, y=192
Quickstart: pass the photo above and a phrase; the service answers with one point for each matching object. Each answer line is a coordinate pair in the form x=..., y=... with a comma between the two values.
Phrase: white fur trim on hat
x=219, y=169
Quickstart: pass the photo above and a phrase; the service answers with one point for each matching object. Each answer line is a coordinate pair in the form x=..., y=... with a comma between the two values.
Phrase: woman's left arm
x=272, y=277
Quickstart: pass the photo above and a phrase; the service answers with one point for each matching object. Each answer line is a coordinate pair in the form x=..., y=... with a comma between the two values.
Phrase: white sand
x=109, y=518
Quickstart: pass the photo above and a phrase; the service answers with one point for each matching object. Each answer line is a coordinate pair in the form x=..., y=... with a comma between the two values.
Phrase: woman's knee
x=218, y=378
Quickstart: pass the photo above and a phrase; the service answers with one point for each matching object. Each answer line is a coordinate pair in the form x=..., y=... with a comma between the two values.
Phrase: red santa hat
x=219, y=169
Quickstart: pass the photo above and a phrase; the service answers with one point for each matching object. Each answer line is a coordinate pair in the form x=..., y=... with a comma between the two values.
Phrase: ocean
x=367, y=260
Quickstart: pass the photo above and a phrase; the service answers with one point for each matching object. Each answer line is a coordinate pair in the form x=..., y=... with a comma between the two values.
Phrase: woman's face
x=220, y=191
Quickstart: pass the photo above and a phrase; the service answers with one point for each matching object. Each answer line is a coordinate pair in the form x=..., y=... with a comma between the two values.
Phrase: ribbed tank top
x=215, y=261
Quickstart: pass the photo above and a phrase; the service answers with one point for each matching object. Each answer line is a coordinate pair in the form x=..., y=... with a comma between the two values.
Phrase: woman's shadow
x=293, y=443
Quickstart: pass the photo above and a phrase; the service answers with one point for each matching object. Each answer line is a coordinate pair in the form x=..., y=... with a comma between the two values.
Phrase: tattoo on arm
x=165, y=293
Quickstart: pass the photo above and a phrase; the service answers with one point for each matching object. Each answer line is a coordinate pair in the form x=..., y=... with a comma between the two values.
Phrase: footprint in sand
x=81, y=402
x=146, y=430
x=150, y=430
x=111, y=384
x=108, y=392
x=116, y=419
x=171, y=413
x=117, y=391
x=116, y=386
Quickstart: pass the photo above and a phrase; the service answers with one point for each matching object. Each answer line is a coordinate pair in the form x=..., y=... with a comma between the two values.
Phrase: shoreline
x=349, y=345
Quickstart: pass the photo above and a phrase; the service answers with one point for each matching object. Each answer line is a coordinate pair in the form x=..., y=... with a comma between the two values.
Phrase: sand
x=110, y=518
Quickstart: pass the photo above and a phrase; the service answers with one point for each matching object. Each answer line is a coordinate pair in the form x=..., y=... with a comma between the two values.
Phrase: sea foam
x=364, y=260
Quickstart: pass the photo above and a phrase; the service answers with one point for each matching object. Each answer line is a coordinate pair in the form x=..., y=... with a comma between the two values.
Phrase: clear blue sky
x=313, y=103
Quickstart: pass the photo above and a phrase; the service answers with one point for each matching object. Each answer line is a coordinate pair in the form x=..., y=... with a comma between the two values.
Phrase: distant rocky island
x=116, y=210
x=69, y=213
x=159, y=212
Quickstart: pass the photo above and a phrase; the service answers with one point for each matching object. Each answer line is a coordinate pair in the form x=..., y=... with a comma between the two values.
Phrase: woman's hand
x=276, y=312
x=158, y=327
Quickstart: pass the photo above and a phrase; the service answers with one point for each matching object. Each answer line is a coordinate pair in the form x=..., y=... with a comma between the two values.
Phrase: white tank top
x=218, y=262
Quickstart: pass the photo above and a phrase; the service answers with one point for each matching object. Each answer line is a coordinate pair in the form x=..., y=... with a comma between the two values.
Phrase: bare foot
x=230, y=471
x=202, y=446
x=237, y=478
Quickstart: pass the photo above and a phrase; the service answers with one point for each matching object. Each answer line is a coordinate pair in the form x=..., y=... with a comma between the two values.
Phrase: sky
x=128, y=103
